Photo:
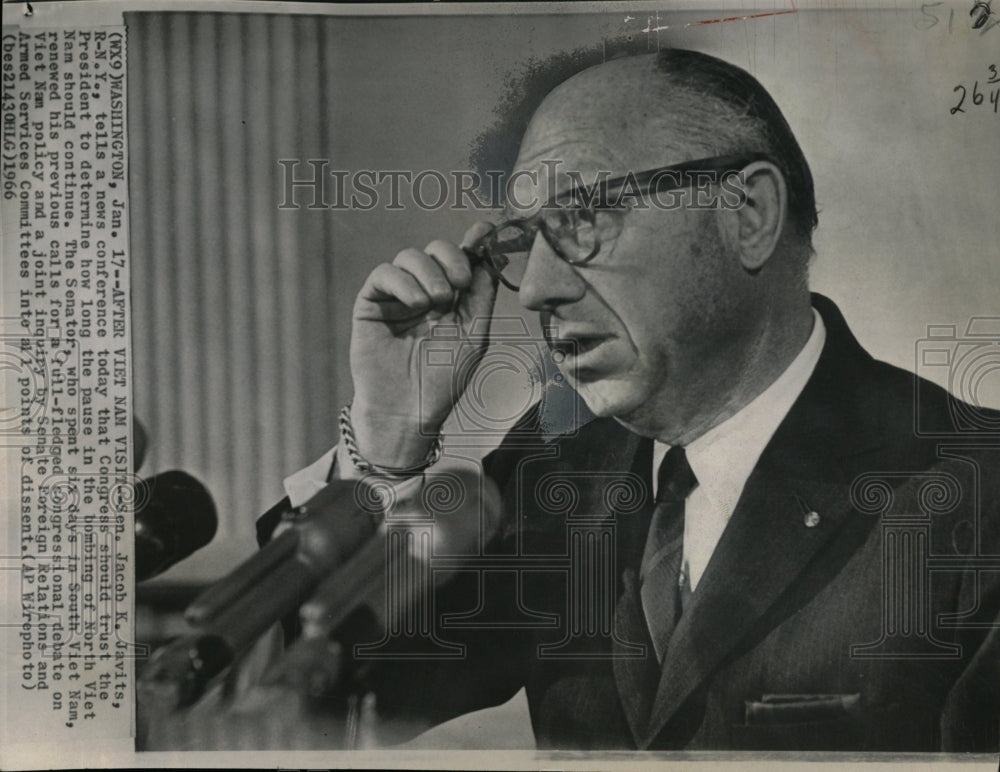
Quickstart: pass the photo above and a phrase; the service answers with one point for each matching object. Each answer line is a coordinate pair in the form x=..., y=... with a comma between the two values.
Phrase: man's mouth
x=571, y=342
x=578, y=352
x=576, y=345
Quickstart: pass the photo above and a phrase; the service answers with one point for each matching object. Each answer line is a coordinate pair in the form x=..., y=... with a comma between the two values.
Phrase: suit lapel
x=761, y=554
x=634, y=663
x=634, y=675
x=771, y=540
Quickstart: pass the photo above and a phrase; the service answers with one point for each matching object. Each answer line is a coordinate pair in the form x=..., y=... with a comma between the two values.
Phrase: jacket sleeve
x=267, y=522
x=970, y=720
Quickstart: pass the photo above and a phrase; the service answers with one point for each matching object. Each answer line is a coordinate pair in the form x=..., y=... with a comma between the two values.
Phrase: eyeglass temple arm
x=477, y=256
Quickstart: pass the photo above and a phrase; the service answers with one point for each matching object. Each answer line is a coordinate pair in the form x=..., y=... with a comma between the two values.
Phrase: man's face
x=656, y=318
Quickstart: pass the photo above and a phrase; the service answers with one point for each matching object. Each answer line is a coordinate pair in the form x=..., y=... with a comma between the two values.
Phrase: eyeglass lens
x=570, y=232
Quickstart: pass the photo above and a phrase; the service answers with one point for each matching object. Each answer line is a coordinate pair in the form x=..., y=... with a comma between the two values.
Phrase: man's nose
x=549, y=280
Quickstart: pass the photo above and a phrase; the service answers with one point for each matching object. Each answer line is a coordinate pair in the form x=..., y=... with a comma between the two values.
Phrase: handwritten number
x=994, y=75
x=977, y=96
x=958, y=108
x=995, y=98
x=929, y=19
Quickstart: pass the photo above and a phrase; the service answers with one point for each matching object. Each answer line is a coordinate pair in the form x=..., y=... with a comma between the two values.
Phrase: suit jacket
x=851, y=603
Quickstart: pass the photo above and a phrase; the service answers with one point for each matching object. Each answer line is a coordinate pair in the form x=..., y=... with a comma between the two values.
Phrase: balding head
x=648, y=111
x=624, y=105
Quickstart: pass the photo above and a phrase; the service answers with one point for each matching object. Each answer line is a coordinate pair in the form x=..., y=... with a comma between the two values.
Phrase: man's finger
x=453, y=261
x=479, y=300
x=428, y=272
x=390, y=282
x=476, y=232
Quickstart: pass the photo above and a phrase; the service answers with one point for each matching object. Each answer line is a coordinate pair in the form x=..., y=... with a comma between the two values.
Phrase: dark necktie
x=660, y=572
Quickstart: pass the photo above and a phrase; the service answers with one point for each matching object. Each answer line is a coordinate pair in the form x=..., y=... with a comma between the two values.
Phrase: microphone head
x=178, y=518
x=140, y=442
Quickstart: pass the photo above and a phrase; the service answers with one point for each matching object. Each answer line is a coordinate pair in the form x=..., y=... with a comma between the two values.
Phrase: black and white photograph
x=501, y=386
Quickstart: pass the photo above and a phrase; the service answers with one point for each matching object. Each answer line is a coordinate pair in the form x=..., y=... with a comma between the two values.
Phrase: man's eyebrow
x=513, y=217
x=598, y=154
x=585, y=192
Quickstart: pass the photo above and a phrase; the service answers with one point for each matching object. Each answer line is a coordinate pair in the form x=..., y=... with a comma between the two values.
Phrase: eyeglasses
x=577, y=223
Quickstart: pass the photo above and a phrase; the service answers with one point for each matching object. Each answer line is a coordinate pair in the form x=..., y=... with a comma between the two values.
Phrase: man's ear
x=759, y=220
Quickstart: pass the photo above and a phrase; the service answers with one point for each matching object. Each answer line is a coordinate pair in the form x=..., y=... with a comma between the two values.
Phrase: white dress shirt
x=722, y=459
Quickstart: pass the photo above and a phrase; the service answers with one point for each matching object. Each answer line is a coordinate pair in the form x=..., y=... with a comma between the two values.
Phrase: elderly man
x=769, y=585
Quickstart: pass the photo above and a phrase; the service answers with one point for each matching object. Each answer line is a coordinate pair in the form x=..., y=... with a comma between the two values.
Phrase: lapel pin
x=810, y=516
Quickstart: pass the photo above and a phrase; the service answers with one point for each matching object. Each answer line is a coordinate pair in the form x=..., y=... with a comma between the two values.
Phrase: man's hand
x=399, y=401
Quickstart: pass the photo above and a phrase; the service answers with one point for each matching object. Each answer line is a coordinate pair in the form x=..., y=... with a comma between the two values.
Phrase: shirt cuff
x=335, y=464
x=306, y=483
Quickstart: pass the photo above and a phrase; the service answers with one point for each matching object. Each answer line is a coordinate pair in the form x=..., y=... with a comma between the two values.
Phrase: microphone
x=231, y=614
x=420, y=546
x=140, y=443
x=176, y=518
x=334, y=556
